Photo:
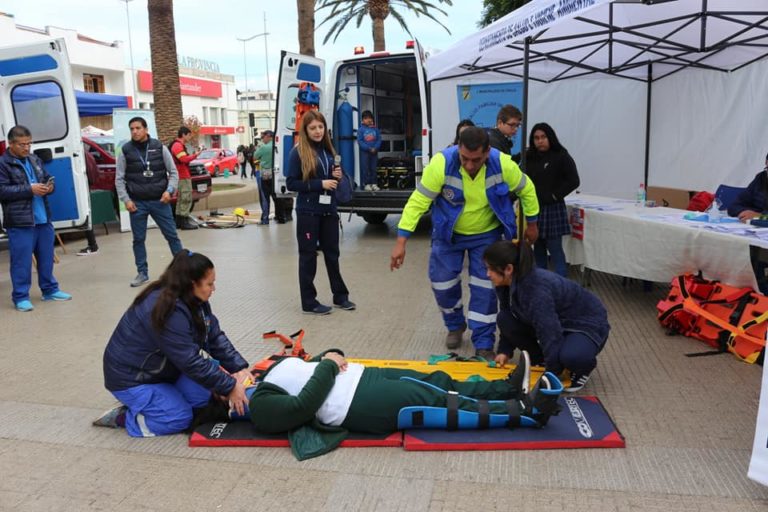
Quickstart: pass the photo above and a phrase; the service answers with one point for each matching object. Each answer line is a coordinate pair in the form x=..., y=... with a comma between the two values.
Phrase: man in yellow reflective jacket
x=469, y=187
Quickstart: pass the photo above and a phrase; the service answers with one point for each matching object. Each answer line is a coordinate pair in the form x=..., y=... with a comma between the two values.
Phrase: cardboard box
x=671, y=197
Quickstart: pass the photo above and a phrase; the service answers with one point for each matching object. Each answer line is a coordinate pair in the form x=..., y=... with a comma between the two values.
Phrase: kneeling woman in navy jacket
x=168, y=355
x=558, y=322
x=313, y=173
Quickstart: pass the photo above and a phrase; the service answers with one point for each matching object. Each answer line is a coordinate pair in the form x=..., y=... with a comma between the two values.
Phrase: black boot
x=188, y=223
x=542, y=400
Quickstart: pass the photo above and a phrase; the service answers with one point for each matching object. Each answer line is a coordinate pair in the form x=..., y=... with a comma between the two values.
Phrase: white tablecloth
x=657, y=244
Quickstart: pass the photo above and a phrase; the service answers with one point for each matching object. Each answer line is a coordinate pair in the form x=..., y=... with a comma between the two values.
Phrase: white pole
x=130, y=50
x=266, y=62
x=265, y=34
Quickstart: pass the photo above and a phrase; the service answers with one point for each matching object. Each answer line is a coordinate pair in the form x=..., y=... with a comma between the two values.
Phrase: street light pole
x=266, y=63
x=130, y=50
x=245, y=68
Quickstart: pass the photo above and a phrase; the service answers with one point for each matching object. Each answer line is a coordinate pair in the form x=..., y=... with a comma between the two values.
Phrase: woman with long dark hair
x=559, y=323
x=554, y=173
x=168, y=356
x=313, y=173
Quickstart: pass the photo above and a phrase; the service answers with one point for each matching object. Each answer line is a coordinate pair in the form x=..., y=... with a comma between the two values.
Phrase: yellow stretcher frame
x=459, y=370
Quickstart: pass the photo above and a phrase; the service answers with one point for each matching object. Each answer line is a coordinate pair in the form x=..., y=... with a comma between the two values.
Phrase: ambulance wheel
x=374, y=218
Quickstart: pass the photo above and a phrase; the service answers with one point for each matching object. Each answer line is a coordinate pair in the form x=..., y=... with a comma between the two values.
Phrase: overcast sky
x=208, y=30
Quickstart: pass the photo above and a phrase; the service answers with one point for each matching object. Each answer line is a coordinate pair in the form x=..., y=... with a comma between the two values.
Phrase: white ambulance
x=36, y=91
x=390, y=85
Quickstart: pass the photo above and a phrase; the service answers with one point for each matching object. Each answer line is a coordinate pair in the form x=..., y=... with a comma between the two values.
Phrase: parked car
x=216, y=162
x=102, y=150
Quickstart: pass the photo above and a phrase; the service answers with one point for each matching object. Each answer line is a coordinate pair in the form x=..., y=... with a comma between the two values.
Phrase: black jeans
x=313, y=232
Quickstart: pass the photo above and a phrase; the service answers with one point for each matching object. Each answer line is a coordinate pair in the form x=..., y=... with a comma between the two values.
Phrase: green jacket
x=274, y=411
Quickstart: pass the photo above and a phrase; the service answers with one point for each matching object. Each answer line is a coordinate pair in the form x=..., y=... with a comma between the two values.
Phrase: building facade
x=98, y=67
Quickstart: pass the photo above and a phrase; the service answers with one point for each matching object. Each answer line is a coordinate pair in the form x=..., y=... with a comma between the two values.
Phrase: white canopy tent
x=670, y=92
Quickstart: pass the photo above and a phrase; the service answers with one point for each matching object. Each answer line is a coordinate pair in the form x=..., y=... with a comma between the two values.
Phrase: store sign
x=189, y=86
x=217, y=130
x=202, y=65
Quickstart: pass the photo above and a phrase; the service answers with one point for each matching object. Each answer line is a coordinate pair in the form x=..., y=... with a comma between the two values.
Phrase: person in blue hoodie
x=558, y=322
x=314, y=175
x=369, y=140
x=168, y=359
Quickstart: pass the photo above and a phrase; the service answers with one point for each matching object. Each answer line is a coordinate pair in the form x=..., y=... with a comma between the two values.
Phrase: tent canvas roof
x=573, y=38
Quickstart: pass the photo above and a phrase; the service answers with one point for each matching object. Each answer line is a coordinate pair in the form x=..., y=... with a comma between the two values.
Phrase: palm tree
x=495, y=9
x=306, y=10
x=165, y=69
x=344, y=11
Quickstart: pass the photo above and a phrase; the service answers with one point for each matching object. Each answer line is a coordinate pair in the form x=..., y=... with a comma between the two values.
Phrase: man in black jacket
x=24, y=187
x=146, y=178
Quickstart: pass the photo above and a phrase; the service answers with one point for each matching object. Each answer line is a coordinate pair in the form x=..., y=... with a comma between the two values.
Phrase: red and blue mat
x=582, y=423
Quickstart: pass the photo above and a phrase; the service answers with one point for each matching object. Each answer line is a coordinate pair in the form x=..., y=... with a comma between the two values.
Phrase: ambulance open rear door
x=36, y=91
x=297, y=73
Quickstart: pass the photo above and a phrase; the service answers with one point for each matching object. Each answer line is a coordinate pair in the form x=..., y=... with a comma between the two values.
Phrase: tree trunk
x=165, y=69
x=379, y=42
x=306, y=10
x=378, y=10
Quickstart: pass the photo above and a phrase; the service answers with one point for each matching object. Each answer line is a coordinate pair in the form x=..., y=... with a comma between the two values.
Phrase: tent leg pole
x=648, y=125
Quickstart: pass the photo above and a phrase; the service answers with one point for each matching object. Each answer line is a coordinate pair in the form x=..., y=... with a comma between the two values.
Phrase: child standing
x=369, y=139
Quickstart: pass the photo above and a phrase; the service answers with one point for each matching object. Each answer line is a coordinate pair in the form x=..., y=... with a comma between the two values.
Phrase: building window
x=224, y=117
x=205, y=115
x=93, y=83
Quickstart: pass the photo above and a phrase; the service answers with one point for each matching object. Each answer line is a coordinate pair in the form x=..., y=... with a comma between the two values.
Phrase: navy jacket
x=753, y=198
x=137, y=354
x=553, y=305
x=16, y=192
x=308, y=200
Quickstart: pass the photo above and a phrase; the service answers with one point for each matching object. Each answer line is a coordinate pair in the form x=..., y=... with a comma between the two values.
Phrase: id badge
x=324, y=199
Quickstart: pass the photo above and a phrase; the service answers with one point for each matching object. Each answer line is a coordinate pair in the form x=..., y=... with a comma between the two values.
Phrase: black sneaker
x=520, y=377
x=347, y=305
x=113, y=418
x=319, y=310
x=578, y=381
x=88, y=251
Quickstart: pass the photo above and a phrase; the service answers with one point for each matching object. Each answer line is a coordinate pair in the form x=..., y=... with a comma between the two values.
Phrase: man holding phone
x=24, y=187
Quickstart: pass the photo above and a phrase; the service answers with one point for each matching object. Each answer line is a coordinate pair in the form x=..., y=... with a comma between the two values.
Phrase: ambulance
x=36, y=91
x=393, y=86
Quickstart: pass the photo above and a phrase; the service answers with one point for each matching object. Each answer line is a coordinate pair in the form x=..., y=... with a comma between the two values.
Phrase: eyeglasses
x=513, y=125
x=22, y=144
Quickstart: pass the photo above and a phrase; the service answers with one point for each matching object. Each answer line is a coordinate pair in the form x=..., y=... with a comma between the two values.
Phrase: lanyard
x=324, y=163
x=145, y=160
x=27, y=165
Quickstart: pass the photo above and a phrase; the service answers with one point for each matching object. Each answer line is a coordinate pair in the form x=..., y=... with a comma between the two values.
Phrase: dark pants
x=381, y=394
x=243, y=173
x=578, y=352
x=553, y=246
x=266, y=192
x=91, y=237
x=163, y=216
x=313, y=231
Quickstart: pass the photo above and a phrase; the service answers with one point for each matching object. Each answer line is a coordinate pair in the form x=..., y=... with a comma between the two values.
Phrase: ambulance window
x=289, y=107
x=40, y=107
x=366, y=77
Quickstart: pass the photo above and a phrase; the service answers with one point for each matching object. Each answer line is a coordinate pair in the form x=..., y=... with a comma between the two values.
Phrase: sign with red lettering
x=217, y=130
x=577, y=223
x=189, y=86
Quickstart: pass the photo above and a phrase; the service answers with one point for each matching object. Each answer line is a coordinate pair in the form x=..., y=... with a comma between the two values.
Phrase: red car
x=216, y=162
x=102, y=149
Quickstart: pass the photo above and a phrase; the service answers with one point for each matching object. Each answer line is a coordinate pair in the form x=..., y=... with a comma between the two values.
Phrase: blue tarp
x=88, y=103
x=96, y=104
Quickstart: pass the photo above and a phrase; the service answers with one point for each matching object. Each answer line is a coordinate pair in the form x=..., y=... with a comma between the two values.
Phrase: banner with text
x=480, y=103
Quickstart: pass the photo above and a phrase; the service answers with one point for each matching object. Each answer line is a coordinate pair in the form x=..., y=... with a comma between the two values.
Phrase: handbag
x=344, y=190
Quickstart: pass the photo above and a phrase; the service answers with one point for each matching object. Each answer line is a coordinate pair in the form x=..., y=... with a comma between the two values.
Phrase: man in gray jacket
x=145, y=180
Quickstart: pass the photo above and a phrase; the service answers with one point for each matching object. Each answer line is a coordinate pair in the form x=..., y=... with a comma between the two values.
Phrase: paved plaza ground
x=688, y=423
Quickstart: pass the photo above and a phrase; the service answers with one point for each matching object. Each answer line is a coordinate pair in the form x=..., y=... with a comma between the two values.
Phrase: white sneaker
x=375, y=188
x=368, y=188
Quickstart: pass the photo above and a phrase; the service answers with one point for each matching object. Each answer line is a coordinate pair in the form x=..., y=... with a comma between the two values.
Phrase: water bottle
x=714, y=212
x=640, y=198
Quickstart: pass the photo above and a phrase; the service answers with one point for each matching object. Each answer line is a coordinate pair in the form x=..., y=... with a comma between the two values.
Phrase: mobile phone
x=50, y=181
